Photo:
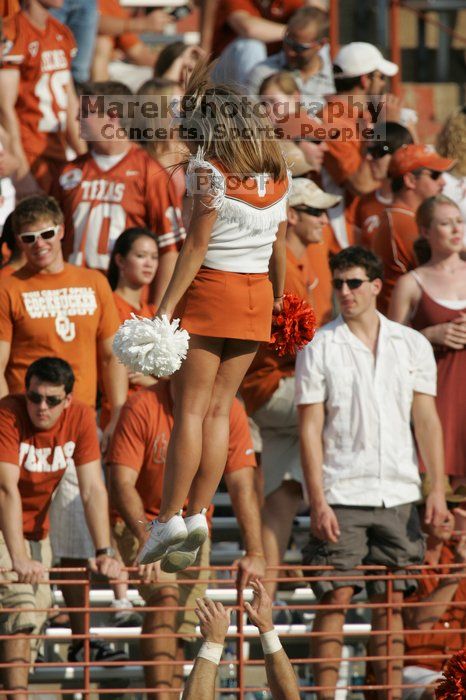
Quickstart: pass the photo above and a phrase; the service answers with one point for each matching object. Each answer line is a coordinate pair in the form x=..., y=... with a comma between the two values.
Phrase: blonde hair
x=229, y=126
x=282, y=81
x=424, y=217
x=451, y=141
x=156, y=148
x=426, y=212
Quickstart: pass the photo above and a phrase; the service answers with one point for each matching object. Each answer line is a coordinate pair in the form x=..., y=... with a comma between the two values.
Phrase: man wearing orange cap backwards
x=416, y=174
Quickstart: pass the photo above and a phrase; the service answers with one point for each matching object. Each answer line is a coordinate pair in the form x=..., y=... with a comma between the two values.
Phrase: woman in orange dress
x=132, y=268
x=228, y=279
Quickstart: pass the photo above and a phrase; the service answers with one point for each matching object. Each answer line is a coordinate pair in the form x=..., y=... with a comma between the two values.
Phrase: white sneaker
x=198, y=530
x=179, y=557
x=177, y=560
x=162, y=536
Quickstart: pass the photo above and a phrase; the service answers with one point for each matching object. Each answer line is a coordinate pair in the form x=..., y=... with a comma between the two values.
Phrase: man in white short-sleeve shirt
x=359, y=385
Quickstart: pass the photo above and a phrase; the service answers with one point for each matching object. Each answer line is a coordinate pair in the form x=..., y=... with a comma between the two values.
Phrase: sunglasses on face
x=379, y=150
x=355, y=283
x=51, y=401
x=30, y=237
x=300, y=48
x=312, y=211
x=433, y=174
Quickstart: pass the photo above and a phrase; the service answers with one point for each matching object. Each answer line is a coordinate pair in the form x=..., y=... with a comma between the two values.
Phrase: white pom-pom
x=151, y=346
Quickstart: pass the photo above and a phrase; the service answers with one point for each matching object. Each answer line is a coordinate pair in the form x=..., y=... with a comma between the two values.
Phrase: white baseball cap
x=305, y=192
x=360, y=58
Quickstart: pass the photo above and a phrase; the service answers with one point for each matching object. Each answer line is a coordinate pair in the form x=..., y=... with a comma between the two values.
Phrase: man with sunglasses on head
x=305, y=54
x=53, y=308
x=268, y=388
x=389, y=136
x=416, y=174
x=359, y=384
x=44, y=432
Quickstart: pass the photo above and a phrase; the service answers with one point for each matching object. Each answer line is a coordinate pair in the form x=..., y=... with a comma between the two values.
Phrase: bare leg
x=193, y=385
x=160, y=648
x=278, y=512
x=330, y=644
x=379, y=647
x=236, y=358
x=16, y=650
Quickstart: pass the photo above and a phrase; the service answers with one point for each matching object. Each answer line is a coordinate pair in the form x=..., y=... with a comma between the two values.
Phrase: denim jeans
x=81, y=17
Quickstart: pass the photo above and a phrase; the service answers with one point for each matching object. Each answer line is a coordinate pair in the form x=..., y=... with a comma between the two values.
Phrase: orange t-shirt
x=453, y=620
x=43, y=455
x=7, y=270
x=267, y=368
x=321, y=290
x=9, y=8
x=368, y=216
x=394, y=244
x=43, y=59
x=112, y=8
x=141, y=438
x=60, y=315
x=98, y=205
x=124, y=312
x=274, y=10
x=342, y=159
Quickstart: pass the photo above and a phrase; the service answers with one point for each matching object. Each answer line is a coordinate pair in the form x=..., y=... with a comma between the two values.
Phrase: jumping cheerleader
x=228, y=279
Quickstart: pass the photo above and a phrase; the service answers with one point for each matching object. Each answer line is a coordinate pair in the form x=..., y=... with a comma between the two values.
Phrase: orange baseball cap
x=413, y=156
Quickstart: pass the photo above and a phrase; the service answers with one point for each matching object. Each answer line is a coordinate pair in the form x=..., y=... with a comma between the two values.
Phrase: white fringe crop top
x=249, y=211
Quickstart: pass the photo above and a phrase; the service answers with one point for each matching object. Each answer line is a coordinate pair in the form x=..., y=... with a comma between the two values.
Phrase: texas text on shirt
x=63, y=314
x=141, y=438
x=43, y=59
x=99, y=204
x=369, y=453
x=43, y=455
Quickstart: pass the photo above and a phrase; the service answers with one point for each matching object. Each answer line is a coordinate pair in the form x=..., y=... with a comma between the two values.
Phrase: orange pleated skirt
x=227, y=305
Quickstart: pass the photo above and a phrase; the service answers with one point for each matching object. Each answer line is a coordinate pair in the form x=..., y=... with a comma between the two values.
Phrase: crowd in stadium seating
x=91, y=228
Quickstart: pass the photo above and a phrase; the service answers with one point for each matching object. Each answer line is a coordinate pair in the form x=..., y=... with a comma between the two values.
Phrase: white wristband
x=270, y=642
x=211, y=652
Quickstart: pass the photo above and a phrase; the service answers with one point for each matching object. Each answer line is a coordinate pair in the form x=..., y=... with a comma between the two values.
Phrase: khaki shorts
x=277, y=421
x=187, y=620
x=390, y=537
x=23, y=596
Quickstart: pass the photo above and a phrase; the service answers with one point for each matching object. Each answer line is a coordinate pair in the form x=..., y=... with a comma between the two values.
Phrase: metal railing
x=88, y=675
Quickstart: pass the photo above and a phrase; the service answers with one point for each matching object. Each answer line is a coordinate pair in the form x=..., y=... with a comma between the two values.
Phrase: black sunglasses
x=434, y=174
x=352, y=283
x=379, y=150
x=51, y=401
x=312, y=211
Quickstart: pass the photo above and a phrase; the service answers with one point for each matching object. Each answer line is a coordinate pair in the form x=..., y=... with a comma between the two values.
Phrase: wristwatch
x=107, y=551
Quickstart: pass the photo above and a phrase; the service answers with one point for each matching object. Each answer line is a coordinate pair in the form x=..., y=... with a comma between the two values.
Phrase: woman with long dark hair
x=132, y=268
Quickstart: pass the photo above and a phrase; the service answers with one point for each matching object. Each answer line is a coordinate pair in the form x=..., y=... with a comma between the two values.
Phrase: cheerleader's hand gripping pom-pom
x=151, y=346
x=294, y=327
